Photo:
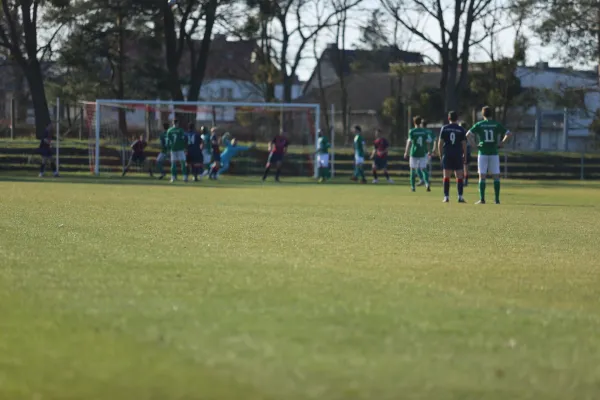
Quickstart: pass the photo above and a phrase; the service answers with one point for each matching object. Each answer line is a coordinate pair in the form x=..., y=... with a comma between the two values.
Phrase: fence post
x=332, y=127
x=12, y=117
x=566, y=130
x=538, y=128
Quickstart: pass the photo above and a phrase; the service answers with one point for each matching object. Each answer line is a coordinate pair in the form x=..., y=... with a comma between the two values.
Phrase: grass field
x=132, y=289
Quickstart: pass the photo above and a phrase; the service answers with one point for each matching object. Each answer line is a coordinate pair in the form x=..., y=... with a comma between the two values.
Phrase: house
x=334, y=62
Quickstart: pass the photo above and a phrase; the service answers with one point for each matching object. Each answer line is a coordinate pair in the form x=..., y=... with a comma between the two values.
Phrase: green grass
x=135, y=289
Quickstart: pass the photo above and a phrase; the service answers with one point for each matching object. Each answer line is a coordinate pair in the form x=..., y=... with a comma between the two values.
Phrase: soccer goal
x=113, y=124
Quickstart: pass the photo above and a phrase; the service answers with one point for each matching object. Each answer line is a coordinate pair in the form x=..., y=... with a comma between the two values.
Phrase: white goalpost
x=113, y=124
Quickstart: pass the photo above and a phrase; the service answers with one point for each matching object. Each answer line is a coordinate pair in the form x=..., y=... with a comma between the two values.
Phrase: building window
x=226, y=93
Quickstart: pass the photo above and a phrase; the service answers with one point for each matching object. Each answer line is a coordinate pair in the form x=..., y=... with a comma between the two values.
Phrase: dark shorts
x=380, y=162
x=216, y=157
x=137, y=158
x=193, y=158
x=452, y=162
x=45, y=153
x=275, y=158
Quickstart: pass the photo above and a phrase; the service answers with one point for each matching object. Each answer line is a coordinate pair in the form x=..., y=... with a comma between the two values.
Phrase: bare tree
x=456, y=21
x=19, y=23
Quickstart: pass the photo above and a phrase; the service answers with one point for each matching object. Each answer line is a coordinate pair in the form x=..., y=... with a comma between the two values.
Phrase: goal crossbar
x=116, y=102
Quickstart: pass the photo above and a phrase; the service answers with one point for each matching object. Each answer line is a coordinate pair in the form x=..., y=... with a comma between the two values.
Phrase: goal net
x=112, y=125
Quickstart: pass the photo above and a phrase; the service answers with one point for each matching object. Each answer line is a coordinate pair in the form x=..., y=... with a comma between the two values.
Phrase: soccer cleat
x=446, y=200
x=363, y=181
x=390, y=181
x=497, y=201
x=195, y=179
x=354, y=179
x=321, y=180
x=173, y=179
x=461, y=200
x=375, y=181
x=480, y=202
x=412, y=189
x=428, y=188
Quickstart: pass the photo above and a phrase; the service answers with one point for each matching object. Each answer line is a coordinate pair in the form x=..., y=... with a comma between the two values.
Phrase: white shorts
x=323, y=160
x=418, y=162
x=488, y=164
x=359, y=160
x=160, y=158
x=177, y=156
x=206, y=157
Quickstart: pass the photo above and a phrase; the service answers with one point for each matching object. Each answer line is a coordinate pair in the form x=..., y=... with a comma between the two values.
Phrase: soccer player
x=323, y=157
x=215, y=152
x=277, y=150
x=231, y=149
x=205, y=135
x=380, y=156
x=194, y=151
x=359, y=155
x=137, y=155
x=452, y=148
x=164, y=150
x=418, y=143
x=178, y=145
x=430, y=151
x=45, y=149
x=489, y=135
x=468, y=157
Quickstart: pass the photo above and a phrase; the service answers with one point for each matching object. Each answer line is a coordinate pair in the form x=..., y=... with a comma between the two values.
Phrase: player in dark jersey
x=215, y=152
x=45, y=150
x=452, y=146
x=137, y=155
x=277, y=149
x=193, y=156
x=380, y=156
x=468, y=157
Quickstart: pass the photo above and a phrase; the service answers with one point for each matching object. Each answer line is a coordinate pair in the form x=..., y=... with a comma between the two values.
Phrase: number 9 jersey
x=453, y=137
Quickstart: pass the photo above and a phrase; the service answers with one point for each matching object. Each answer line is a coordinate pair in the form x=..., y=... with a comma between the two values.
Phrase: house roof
x=367, y=91
x=368, y=61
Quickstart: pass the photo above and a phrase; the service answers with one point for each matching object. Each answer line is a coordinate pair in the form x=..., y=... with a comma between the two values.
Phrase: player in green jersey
x=323, y=157
x=489, y=135
x=165, y=149
x=430, y=151
x=419, y=145
x=178, y=144
x=359, y=155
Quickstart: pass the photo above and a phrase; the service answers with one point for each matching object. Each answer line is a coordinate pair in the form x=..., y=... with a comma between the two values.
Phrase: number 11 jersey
x=488, y=134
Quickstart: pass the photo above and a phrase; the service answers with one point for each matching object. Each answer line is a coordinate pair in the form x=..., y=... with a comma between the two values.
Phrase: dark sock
x=497, y=189
x=459, y=186
x=446, y=187
x=277, y=173
x=387, y=176
x=374, y=174
x=482, y=190
x=266, y=173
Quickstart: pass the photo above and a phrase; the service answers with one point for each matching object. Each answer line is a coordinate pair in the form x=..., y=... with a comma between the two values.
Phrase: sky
x=504, y=41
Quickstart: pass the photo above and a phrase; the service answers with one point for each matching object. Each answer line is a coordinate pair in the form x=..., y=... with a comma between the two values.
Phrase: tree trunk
x=35, y=80
x=171, y=53
x=120, y=73
x=199, y=69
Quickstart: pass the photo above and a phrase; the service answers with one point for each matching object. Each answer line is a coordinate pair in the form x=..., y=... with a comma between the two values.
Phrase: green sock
x=361, y=172
x=184, y=169
x=161, y=168
x=420, y=173
x=173, y=170
x=497, y=189
x=426, y=177
x=327, y=173
x=320, y=172
x=482, y=190
x=355, y=174
x=413, y=175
